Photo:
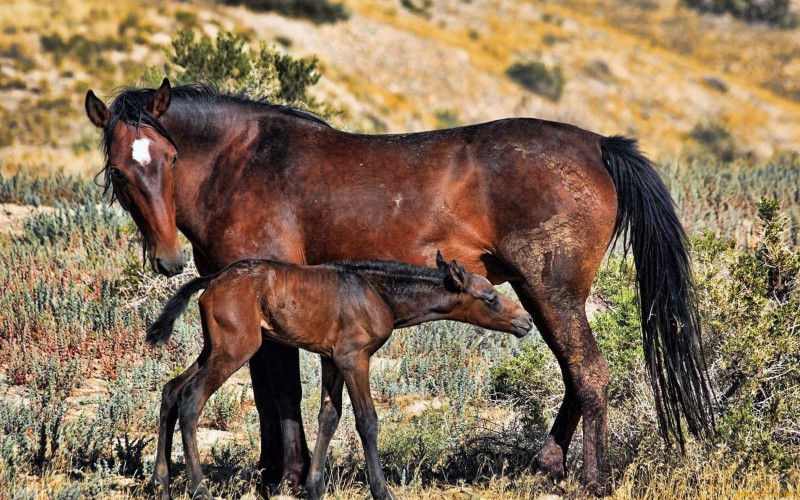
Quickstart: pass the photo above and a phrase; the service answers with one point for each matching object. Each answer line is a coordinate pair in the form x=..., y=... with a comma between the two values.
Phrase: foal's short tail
x=161, y=328
x=648, y=224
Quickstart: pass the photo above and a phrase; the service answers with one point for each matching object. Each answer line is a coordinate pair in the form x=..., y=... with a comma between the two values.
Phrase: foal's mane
x=395, y=277
x=129, y=106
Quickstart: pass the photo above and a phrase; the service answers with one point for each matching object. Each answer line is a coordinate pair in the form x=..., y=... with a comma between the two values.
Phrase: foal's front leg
x=355, y=368
x=330, y=411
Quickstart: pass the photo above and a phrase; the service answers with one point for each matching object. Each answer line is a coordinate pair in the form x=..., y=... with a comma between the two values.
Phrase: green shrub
x=224, y=408
x=87, y=51
x=538, y=78
x=317, y=11
x=774, y=12
x=227, y=63
x=419, y=7
x=715, y=141
x=527, y=382
x=446, y=118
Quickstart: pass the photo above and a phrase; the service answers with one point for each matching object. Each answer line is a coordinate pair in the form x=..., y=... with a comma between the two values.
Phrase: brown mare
x=344, y=311
x=532, y=202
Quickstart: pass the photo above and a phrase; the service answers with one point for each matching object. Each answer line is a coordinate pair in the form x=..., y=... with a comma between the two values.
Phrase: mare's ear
x=159, y=103
x=440, y=262
x=455, y=277
x=96, y=110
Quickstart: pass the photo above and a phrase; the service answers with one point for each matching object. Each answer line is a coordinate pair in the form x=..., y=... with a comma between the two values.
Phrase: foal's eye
x=174, y=159
x=491, y=299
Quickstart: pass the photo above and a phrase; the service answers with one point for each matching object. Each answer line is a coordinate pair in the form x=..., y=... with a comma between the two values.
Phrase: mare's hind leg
x=166, y=426
x=562, y=322
x=556, y=263
x=330, y=411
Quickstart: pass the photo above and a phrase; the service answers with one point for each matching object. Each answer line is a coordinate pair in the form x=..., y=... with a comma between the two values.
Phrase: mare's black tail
x=649, y=226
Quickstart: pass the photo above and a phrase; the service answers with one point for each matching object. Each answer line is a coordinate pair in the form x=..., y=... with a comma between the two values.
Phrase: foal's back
x=316, y=308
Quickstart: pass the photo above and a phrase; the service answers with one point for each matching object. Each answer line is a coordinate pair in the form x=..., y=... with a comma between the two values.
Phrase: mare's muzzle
x=170, y=265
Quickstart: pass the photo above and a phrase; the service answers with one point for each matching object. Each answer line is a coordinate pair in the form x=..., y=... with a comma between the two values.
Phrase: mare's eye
x=174, y=159
x=117, y=175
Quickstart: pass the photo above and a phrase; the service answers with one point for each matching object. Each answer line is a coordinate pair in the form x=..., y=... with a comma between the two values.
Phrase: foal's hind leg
x=234, y=335
x=355, y=368
x=330, y=411
x=166, y=426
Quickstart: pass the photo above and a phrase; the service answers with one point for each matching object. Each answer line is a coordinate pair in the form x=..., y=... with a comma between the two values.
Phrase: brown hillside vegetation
x=653, y=69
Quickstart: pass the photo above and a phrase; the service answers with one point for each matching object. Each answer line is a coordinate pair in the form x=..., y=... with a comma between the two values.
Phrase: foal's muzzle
x=522, y=325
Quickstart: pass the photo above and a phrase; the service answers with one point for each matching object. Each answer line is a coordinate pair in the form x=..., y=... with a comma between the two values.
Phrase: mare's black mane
x=129, y=106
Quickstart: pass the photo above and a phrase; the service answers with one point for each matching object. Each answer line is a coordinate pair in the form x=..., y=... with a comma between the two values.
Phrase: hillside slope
x=655, y=70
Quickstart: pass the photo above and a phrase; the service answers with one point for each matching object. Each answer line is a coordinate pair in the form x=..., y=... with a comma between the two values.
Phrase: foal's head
x=479, y=303
x=139, y=159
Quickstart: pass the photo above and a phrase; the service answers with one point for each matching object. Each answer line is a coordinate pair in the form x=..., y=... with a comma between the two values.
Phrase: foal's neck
x=416, y=307
x=414, y=294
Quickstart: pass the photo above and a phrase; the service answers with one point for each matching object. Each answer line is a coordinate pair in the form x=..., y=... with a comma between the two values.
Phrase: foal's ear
x=96, y=110
x=455, y=278
x=159, y=103
x=440, y=262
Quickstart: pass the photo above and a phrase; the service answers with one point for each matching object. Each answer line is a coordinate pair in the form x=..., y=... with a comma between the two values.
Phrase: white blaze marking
x=141, y=151
x=397, y=201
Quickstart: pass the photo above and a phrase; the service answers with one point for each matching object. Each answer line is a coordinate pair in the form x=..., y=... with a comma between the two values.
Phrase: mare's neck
x=204, y=136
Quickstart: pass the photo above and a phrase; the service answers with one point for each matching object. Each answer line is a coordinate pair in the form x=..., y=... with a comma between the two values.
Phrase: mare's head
x=139, y=157
x=479, y=303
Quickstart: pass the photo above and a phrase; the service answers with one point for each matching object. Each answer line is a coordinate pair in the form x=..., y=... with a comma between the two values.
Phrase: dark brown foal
x=344, y=311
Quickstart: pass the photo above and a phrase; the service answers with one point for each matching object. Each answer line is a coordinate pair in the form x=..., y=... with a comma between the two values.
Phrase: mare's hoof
x=289, y=484
x=550, y=461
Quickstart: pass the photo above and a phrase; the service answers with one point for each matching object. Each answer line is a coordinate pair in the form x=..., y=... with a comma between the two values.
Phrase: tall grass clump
x=66, y=326
x=26, y=188
x=720, y=197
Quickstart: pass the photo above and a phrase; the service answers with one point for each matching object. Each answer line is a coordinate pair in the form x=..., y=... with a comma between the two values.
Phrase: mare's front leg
x=330, y=411
x=276, y=371
x=355, y=368
x=270, y=460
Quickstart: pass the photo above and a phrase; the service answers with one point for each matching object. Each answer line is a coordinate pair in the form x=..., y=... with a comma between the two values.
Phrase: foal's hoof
x=550, y=461
x=201, y=493
x=383, y=493
x=592, y=490
x=159, y=491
